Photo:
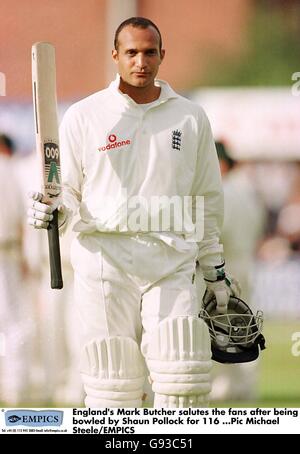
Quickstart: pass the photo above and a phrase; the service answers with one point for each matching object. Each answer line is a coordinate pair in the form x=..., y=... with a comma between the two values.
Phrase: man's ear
x=162, y=54
x=115, y=55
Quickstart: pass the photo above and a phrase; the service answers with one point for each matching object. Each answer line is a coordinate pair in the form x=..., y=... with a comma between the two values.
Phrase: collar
x=166, y=92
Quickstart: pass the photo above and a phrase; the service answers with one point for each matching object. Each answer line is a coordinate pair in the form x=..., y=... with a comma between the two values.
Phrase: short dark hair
x=138, y=22
x=7, y=142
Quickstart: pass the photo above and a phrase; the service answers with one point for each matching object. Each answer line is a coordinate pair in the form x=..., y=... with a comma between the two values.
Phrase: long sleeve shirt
x=121, y=161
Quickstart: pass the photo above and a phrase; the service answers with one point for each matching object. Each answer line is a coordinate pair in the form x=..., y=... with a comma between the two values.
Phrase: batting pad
x=113, y=373
x=179, y=360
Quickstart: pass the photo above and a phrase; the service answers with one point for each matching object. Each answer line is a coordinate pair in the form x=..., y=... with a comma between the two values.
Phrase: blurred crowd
x=39, y=353
x=39, y=356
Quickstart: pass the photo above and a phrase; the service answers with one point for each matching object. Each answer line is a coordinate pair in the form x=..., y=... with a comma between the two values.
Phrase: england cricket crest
x=176, y=139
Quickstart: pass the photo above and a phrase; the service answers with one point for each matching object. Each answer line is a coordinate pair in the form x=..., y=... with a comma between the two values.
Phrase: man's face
x=138, y=56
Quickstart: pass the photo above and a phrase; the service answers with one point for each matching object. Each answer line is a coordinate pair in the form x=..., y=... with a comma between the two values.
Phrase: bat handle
x=54, y=252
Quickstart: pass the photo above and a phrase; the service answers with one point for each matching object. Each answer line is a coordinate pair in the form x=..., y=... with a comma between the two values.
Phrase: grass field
x=279, y=378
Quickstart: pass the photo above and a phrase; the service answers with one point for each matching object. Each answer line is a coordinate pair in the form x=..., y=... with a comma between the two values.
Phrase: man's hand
x=220, y=285
x=39, y=214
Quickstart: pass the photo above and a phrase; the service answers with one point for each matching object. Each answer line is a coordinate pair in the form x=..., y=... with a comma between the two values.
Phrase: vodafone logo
x=112, y=138
x=114, y=143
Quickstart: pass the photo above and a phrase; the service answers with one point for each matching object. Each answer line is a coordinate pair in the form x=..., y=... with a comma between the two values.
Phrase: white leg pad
x=164, y=401
x=179, y=360
x=113, y=373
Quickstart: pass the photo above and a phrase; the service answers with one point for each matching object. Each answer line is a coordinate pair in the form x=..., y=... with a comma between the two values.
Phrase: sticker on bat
x=53, y=173
x=52, y=167
x=53, y=196
x=51, y=152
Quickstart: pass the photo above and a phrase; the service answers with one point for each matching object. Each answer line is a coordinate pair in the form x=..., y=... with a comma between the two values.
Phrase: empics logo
x=114, y=143
x=14, y=418
x=35, y=418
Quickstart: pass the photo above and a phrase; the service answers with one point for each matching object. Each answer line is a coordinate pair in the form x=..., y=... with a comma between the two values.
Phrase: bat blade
x=47, y=143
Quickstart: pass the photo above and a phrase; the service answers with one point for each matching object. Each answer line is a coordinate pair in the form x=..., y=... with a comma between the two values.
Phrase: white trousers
x=125, y=285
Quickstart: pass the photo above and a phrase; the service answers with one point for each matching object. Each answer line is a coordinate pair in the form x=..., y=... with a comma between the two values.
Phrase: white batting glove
x=39, y=214
x=222, y=287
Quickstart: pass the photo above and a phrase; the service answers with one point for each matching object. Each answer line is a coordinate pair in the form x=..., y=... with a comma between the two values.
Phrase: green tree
x=271, y=56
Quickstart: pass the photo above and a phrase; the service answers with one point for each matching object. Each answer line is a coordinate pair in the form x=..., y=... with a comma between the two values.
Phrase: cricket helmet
x=235, y=336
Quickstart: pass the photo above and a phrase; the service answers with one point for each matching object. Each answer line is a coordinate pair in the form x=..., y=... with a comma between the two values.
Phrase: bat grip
x=54, y=252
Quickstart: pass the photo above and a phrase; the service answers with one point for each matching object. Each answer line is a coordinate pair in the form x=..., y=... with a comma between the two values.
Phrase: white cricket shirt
x=114, y=150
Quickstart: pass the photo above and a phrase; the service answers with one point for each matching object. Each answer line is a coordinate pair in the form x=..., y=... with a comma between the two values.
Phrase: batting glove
x=39, y=214
x=221, y=286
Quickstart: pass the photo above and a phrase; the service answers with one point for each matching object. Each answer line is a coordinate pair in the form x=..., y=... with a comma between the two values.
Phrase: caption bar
x=127, y=421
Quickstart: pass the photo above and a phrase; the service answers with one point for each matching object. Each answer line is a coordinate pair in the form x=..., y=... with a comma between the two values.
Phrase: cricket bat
x=47, y=143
